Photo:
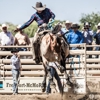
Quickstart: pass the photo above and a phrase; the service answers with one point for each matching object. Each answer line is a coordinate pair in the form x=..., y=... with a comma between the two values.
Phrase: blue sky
x=19, y=11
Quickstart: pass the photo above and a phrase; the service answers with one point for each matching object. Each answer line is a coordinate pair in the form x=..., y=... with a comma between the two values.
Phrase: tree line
x=93, y=18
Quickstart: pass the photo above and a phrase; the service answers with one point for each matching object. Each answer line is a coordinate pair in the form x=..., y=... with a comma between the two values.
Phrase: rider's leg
x=51, y=73
x=35, y=48
x=60, y=66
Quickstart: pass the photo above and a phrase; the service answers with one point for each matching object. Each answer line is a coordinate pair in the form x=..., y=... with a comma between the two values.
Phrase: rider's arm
x=52, y=14
x=28, y=22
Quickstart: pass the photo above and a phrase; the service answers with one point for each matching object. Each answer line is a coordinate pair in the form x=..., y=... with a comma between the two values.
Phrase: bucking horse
x=53, y=48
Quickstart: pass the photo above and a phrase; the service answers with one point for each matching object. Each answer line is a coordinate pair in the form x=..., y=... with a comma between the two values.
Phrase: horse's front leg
x=63, y=63
x=60, y=66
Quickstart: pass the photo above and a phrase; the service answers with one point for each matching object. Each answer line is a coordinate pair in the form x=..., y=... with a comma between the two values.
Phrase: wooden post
x=85, y=64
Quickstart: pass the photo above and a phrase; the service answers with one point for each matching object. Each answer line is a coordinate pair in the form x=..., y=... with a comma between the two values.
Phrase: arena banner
x=33, y=85
x=26, y=85
x=79, y=85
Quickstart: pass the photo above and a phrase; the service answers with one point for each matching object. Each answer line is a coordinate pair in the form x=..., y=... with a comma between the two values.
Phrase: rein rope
x=72, y=66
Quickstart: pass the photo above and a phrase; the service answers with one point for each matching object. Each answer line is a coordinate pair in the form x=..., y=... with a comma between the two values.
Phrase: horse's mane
x=56, y=29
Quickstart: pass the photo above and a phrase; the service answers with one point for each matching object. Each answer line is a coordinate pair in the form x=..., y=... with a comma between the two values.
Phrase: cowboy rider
x=42, y=15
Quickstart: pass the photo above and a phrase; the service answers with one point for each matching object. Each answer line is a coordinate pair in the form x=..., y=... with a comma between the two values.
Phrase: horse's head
x=57, y=28
x=50, y=38
x=51, y=42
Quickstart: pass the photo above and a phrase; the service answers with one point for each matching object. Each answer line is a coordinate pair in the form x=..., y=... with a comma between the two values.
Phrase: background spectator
x=88, y=36
x=75, y=37
x=16, y=67
x=67, y=29
x=97, y=38
x=6, y=39
x=21, y=39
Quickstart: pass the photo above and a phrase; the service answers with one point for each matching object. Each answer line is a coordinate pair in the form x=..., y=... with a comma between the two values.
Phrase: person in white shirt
x=6, y=38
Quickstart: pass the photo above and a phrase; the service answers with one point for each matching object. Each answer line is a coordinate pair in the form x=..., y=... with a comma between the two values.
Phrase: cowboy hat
x=18, y=26
x=98, y=24
x=14, y=50
x=75, y=26
x=39, y=6
x=67, y=22
x=4, y=25
x=87, y=24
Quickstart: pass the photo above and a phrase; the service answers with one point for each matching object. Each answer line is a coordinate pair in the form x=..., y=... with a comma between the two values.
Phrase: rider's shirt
x=40, y=18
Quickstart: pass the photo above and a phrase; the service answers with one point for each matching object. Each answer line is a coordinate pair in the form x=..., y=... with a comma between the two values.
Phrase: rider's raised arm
x=28, y=22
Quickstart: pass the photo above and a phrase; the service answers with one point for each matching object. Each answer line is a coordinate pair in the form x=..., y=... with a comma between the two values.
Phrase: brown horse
x=51, y=47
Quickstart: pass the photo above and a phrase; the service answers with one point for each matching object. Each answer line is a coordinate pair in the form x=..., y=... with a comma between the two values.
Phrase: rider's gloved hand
x=16, y=30
x=50, y=23
x=51, y=20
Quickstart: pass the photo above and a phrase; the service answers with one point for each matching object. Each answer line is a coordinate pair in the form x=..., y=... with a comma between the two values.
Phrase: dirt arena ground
x=55, y=96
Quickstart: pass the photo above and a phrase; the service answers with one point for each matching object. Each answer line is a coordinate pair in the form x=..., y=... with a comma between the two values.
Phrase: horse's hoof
x=43, y=89
x=70, y=83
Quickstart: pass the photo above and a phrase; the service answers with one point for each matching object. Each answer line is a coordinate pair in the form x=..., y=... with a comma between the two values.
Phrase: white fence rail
x=89, y=67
